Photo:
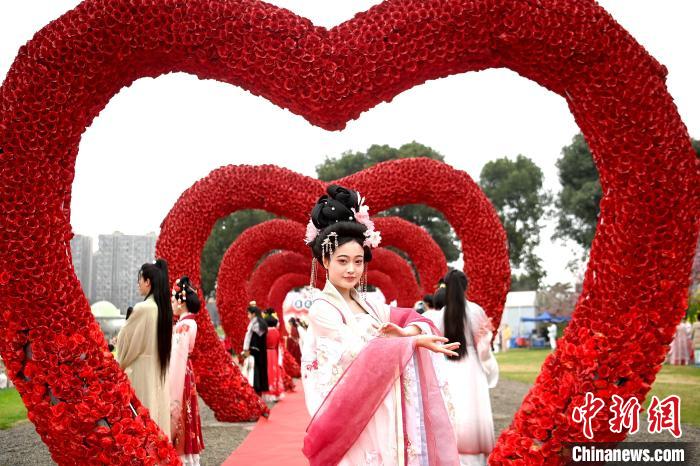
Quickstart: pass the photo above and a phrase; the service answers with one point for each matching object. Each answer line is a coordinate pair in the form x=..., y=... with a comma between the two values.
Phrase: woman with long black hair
x=471, y=372
x=144, y=343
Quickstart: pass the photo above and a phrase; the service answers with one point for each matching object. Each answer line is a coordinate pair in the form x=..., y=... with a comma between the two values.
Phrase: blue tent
x=545, y=317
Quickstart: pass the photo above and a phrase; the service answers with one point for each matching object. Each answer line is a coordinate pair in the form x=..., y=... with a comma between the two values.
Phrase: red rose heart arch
x=640, y=262
x=291, y=195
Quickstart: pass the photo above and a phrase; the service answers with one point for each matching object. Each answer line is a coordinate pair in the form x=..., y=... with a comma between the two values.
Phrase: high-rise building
x=81, y=251
x=116, y=264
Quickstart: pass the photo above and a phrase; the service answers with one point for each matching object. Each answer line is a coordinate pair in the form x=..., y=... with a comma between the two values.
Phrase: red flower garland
x=242, y=256
x=640, y=262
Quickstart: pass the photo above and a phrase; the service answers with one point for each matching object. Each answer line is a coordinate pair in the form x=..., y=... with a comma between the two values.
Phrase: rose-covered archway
x=641, y=255
x=232, y=188
x=422, y=250
x=243, y=255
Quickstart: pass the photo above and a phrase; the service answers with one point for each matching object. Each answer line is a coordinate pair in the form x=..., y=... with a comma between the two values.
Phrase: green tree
x=224, y=233
x=433, y=221
x=578, y=202
x=515, y=189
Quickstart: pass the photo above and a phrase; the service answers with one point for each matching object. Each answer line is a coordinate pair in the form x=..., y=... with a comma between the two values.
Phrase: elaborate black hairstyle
x=184, y=291
x=271, y=321
x=157, y=274
x=333, y=213
x=269, y=316
x=428, y=299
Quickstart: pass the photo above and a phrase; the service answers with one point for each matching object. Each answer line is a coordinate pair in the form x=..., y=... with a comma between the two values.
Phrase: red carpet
x=278, y=440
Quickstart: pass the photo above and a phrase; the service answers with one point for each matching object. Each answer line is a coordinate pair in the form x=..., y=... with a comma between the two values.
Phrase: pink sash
x=354, y=399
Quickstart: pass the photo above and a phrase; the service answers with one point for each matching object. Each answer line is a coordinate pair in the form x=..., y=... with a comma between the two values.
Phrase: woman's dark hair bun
x=189, y=293
x=185, y=281
x=335, y=206
x=333, y=213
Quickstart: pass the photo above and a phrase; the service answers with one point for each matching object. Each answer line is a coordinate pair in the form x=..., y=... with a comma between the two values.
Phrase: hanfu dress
x=186, y=427
x=374, y=400
x=137, y=354
x=256, y=344
x=468, y=381
x=275, y=376
x=679, y=353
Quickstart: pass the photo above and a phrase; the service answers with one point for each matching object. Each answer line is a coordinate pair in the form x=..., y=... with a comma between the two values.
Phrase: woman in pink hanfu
x=469, y=375
x=367, y=370
x=185, y=424
x=680, y=350
x=275, y=371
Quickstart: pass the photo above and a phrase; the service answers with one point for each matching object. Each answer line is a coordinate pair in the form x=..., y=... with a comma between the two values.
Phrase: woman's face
x=144, y=286
x=346, y=265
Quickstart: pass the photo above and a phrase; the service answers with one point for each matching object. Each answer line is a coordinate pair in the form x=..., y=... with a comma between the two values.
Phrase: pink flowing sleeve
x=352, y=402
x=405, y=316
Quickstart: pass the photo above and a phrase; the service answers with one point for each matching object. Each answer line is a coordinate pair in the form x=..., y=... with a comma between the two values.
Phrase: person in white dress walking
x=471, y=373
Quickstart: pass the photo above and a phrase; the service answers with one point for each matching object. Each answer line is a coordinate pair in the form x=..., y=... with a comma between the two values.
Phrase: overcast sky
x=157, y=137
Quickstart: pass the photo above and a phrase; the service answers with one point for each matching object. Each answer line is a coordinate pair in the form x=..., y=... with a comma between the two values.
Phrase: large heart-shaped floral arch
x=231, y=188
x=641, y=256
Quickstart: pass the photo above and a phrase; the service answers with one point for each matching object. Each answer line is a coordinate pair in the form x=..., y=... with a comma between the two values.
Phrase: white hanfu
x=395, y=433
x=468, y=381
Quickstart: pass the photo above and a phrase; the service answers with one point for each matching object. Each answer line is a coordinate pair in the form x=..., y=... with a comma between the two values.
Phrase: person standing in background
x=185, y=423
x=255, y=345
x=144, y=343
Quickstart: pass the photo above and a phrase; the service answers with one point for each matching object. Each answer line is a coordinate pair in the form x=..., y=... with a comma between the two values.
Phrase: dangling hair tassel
x=363, y=284
x=312, y=281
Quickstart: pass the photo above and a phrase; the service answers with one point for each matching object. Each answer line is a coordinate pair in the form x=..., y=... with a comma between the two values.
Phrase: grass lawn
x=523, y=365
x=11, y=408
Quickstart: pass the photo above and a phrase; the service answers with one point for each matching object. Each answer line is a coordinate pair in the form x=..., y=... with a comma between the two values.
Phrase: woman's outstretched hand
x=437, y=344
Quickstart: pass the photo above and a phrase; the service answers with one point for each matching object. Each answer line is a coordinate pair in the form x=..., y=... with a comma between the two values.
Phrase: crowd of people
x=263, y=353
